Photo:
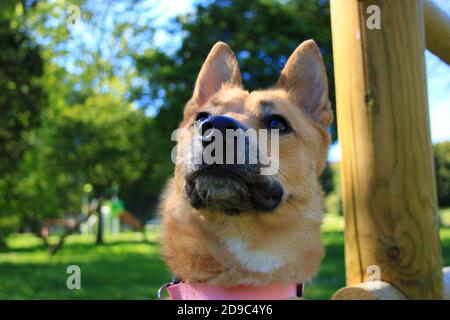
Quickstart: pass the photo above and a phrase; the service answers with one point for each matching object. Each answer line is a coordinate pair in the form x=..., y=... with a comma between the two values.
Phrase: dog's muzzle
x=233, y=187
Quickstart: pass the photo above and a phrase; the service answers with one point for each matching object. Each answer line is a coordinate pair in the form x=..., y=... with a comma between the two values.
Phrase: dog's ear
x=305, y=79
x=220, y=67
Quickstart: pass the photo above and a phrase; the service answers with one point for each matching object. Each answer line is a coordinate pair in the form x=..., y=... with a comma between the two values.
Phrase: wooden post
x=388, y=184
x=437, y=26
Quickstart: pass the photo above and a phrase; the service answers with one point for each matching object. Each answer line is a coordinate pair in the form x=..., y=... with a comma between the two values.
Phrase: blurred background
x=90, y=92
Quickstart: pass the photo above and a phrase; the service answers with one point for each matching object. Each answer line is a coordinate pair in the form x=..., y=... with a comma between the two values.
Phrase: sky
x=438, y=75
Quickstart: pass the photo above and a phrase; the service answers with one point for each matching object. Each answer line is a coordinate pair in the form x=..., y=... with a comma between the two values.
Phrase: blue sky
x=438, y=75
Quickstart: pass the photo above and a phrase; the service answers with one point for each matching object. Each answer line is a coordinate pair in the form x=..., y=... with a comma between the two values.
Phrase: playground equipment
x=114, y=212
x=118, y=209
x=115, y=208
x=388, y=184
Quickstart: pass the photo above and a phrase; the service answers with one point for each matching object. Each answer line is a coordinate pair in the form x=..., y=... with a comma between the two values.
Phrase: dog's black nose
x=220, y=123
x=213, y=124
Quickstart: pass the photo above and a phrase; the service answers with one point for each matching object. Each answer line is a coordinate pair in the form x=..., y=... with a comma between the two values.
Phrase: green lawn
x=127, y=268
x=124, y=268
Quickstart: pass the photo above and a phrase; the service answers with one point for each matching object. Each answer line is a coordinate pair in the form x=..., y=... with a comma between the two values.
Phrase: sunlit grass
x=332, y=271
x=124, y=268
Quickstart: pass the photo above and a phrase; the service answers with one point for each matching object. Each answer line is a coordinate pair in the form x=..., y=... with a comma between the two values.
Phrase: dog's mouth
x=232, y=189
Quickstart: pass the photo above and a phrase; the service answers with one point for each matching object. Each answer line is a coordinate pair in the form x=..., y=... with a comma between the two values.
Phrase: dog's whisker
x=301, y=201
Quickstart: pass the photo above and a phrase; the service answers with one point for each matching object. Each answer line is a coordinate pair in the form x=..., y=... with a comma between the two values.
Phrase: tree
x=77, y=73
x=79, y=67
x=442, y=167
x=22, y=101
x=327, y=179
x=23, y=97
x=100, y=142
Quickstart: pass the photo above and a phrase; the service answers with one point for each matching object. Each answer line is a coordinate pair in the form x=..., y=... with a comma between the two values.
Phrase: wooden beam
x=384, y=291
x=367, y=291
x=388, y=184
x=437, y=26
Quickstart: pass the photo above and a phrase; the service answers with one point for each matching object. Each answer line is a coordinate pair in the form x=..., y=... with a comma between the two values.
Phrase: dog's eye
x=278, y=122
x=201, y=116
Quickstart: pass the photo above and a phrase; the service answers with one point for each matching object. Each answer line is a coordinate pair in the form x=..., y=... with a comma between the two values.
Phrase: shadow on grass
x=35, y=248
x=79, y=248
x=39, y=246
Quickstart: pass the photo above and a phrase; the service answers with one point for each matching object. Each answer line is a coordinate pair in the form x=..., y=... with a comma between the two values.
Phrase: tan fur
x=202, y=245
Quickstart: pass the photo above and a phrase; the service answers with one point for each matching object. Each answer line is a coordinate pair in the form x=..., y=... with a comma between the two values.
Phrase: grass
x=124, y=268
x=128, y=268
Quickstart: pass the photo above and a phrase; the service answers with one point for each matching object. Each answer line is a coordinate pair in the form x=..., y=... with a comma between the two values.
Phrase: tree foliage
x=96, y=102
x=262, y=33
x=22, y=100
x=67, y=119
x=100, y=142
x=442, y=167
x=22, y=96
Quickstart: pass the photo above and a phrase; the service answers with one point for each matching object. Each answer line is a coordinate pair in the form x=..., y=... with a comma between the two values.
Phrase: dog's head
x=227, y=162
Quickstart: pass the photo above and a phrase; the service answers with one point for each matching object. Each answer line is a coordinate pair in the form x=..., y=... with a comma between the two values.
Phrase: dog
x=227, y=226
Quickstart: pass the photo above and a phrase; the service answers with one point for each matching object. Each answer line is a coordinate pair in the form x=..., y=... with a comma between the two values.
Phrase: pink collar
x=203, y=291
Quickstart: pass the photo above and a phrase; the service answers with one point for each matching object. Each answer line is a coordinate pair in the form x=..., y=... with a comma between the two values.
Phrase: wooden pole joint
x=369, y=291
x=437, y=26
